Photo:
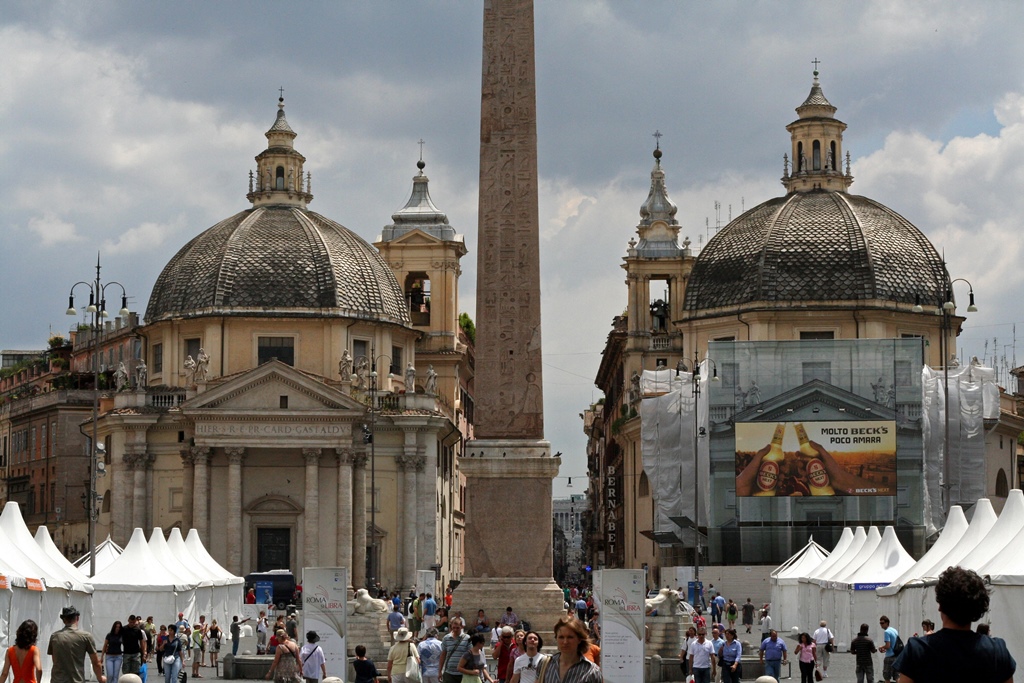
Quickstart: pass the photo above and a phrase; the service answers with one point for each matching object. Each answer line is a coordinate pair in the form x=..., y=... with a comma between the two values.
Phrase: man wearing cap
x=67, y=649
x=314, y=663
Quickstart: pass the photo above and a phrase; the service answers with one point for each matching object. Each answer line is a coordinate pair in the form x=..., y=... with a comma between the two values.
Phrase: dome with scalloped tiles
x=278, y=258
x=819, y=245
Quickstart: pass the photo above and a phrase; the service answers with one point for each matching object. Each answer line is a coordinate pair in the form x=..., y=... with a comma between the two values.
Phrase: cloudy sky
x=128, y=128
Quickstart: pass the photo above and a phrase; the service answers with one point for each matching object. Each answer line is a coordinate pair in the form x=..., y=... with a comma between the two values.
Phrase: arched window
x=1002, y=487
x=816, y=154
x=832, y=146
x=279, y=182
x=417, y=294
x=644, y=487
x=800, y=157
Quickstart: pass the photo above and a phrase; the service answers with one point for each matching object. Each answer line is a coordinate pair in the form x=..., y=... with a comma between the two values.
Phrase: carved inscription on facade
x=256, y=429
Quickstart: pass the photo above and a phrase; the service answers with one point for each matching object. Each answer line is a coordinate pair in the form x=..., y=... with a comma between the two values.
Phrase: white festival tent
x=227, y=589
x=888, y=596
x=106, y=552
x=785, y=583
x=857, y=586
x=45, y=541
x=202, y=593
x=1006, y=573
x=835, y=608
x=137, y=583
x=812, y=606
x=22, y=559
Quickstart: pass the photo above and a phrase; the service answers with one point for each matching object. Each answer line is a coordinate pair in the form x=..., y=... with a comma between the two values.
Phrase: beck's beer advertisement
x=839, y=458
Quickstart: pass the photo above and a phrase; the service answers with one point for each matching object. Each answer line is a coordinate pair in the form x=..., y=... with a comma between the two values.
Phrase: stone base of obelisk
x=508, y=533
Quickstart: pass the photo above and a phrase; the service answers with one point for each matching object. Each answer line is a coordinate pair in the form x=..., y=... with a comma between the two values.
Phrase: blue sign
x=695, y=593
x=869, y=586
x=265, y=592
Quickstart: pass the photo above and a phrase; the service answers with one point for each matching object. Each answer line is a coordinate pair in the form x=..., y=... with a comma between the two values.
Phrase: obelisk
x=508, y=466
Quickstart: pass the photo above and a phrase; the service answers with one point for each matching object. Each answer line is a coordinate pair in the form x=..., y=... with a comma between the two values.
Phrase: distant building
x=567, y=514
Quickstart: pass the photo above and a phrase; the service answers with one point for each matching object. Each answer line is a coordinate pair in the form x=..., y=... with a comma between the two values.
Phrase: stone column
x=187, y=484
x=120, y=502
x=343, y=523
x=311, y=528
x=201, y=497
x=234, y=512
x=359, y=518
x=426, y=505
x=139, y=507
x=407, y=533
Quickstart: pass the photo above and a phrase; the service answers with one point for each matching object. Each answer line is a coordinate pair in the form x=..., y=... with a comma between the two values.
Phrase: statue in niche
x=410, y=378
x=202, y=366
x=803, y=163
x=431, y=385
x=361, y=365
x=753, y=393
x=190, y=368
x=345, y=366
x=141, y=375
x=879, y=390
x=741, y=398
x=634, y=384
x=121, y=377
x=829, y=162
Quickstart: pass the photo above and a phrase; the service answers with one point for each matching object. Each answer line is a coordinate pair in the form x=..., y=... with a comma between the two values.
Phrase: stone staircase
x=370, y=630
x=665, y=634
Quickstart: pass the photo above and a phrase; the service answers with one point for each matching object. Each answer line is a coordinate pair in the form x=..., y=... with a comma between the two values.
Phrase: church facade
x=785, y=301
x=307, y=393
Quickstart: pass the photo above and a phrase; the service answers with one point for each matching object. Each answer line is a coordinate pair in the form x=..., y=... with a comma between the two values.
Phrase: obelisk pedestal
x=508, y=467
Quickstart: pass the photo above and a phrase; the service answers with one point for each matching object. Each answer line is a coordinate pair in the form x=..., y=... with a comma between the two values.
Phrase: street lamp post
x=369, y=437
x=98, y=308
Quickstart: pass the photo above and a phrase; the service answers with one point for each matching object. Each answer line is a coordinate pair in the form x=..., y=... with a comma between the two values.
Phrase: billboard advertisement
x=829, y=458
x=325, y=610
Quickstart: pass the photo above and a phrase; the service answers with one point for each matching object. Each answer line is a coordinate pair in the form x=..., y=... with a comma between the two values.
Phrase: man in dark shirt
x=134, y=643
x=863, y=647
x=955, y=652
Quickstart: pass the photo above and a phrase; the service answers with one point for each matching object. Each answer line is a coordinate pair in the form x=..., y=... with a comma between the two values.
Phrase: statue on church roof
x=410, y=378
x=345, y=365
x=430, y=387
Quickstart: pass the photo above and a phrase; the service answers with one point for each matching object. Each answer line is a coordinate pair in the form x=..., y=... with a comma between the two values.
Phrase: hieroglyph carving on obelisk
x=508, y=397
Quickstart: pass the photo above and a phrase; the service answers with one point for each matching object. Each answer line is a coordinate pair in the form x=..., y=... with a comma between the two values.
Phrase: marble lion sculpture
x=363, y=603
x=666, y=602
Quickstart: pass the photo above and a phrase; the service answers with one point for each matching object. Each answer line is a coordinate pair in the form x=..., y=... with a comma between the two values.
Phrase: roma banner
x=325, y=610
x=620, y=602
x=834, y=458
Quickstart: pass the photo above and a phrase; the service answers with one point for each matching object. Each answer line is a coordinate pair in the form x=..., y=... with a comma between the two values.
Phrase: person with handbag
x=172, y=655
x=473, y=666
x=826, y=642
x=805, y=651
x=287, y=668
x=314, y=662
x=400, y=655
x=729, y=658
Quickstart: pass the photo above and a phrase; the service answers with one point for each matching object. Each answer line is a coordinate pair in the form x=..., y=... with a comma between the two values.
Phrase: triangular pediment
x=262, y=389
x=816, y=400
x=416, y=237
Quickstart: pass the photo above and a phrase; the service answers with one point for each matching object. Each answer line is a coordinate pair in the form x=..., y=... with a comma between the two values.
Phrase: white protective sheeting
x=106, y=552
x=667, y=431
x=785, y=583
x=973, y=397
x=136, y=583
x=888, y=561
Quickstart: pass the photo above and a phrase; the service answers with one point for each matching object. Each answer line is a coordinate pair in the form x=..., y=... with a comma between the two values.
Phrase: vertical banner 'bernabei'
x=620, y=600
x=324, y=610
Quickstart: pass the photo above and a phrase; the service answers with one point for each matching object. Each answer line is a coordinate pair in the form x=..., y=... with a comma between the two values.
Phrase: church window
x=816, y=161
x=279, y=182
x=821, y=370
x=158, y=357
x=360, y=349
x=800, y=157
x=192, y=347
x=832, y=147
x=283, y=404
x=281, y=348
x=1002, y=487
x=397, y=367
x=644, y=488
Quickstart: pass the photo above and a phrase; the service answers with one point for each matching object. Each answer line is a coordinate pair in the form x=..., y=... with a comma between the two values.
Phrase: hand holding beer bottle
x=818, y=480
x=770, y=470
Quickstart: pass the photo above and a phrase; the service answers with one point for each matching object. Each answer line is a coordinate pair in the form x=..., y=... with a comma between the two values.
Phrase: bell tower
x=279, y=178
x=817, y=147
